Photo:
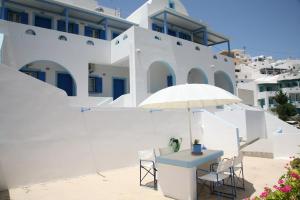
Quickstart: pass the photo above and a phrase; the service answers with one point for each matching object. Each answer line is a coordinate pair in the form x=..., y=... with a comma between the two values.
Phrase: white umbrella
x=189, y=96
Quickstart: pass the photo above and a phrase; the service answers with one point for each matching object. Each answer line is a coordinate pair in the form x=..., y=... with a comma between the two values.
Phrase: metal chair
x=238, y=171
x=147, y=163
x=216, y=177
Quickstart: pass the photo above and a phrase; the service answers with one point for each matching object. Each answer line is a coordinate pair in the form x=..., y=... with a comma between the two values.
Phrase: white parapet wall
x=220, y=134
x=286, y=145
x=43, y=138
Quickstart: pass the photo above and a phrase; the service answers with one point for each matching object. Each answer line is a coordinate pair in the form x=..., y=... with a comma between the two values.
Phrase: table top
x=187, y=160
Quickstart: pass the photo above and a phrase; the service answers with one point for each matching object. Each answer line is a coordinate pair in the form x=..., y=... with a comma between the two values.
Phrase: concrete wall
x=286, y=145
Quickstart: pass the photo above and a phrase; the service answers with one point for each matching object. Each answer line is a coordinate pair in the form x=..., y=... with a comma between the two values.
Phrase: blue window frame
x=94, y=32
x=119, y=87
x=171, y=4
x=95, y=84
x=157, y=28
x=114, y=35
x=73, y=27
x=65, y=82
x=14, y=16
x=36, y=74
x=171, y=32
x=170, y=81
x=185, y=36
x=43, y=22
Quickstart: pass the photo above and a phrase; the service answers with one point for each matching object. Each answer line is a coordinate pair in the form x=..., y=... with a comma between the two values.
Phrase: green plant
x=175, y=144
x=284, y=109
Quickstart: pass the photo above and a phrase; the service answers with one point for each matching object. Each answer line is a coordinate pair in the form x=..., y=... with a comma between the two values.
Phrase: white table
x=177, y=172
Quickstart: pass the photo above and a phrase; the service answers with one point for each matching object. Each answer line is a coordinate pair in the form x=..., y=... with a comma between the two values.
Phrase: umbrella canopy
x=189, y=96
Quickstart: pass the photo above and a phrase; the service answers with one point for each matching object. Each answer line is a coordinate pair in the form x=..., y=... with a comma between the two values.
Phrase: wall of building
x=180, y=58
x=38, y=144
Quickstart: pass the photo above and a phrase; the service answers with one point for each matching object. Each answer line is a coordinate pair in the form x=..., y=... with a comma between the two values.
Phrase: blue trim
x=205, y=37
x=198, y=160
x=42, y=17
x=165, y=23
x=41, y=75
x=66, y=12
x=74, y=89
x=3, y=9
x=98, y=84
x=112, y=84
x=106, y=29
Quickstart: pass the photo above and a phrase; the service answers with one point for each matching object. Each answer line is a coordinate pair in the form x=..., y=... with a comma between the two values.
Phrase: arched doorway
x=52, y=73
x=160, y=75
x=222, y=80
x=196, y=75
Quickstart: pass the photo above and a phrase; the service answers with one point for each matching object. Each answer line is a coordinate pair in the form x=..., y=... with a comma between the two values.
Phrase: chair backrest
x=148, y=154
x=165, y=151
x=225, y=165
x=238, y=159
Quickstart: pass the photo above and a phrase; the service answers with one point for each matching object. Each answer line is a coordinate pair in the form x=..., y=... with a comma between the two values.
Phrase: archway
x=52, y=73
x=160, y=75
x=196, y=75
x=222, y=80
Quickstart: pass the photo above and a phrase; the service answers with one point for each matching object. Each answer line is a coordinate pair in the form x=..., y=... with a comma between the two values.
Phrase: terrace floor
x=122, y=184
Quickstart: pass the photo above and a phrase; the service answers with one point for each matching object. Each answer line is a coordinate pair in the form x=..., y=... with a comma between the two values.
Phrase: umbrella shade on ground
x=189, y=96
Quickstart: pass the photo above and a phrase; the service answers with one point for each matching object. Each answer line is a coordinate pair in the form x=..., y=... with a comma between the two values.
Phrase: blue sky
x=270, y=27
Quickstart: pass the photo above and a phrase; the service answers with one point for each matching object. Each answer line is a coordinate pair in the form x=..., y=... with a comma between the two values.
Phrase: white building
x=90, y=51
x=261, y=77
x=104, y=61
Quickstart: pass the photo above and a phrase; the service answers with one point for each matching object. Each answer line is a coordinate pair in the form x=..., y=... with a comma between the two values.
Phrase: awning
x=187, y=23
x=76, y=12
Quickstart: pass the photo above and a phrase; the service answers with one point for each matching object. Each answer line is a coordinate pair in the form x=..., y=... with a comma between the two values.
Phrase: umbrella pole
x=190, y=128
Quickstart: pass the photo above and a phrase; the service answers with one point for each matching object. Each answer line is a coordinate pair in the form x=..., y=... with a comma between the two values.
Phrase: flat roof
x=187, y=23
x=75, y=12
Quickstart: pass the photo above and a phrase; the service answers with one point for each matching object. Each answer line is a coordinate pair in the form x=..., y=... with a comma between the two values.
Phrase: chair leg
x=140, y=173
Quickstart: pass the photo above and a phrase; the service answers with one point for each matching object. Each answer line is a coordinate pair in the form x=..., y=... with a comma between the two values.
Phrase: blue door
x=65, y=82
x=43, y=22
x=118, y=87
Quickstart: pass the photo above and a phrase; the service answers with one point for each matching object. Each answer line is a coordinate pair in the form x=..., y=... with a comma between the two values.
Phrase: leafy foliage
x=175, y=144
x=284, y=109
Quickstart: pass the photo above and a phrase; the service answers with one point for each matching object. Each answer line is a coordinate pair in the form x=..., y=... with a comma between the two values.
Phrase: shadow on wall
x=4, y=195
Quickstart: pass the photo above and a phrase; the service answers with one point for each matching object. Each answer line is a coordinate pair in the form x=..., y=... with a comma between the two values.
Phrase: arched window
x=30, y=32
x=63, y=38
x=90, y=42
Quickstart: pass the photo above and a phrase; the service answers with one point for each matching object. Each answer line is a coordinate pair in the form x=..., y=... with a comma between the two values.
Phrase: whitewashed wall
x=256, y=125
x=42, y=139
x=286, y=145
x=219, y=134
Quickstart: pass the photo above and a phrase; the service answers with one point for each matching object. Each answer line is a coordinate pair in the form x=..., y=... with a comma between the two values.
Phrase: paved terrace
x=122, y=184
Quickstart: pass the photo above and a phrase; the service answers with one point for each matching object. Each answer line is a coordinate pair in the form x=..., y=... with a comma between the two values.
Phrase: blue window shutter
x=61, y=25
x=102, y=34
x=172, y=32
x=88, y=31
x=76, y=28
x=98, y=85
x=154, y=27
x=42, y=76
x=170, y=80
x=5, y=13
x=114, y=35
x=24, y=18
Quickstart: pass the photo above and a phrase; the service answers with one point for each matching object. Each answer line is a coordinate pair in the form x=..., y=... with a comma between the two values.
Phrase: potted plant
x=175, y=144
x=197, y=148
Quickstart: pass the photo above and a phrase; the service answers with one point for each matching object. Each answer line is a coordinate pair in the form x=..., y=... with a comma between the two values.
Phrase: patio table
x=177, y=172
